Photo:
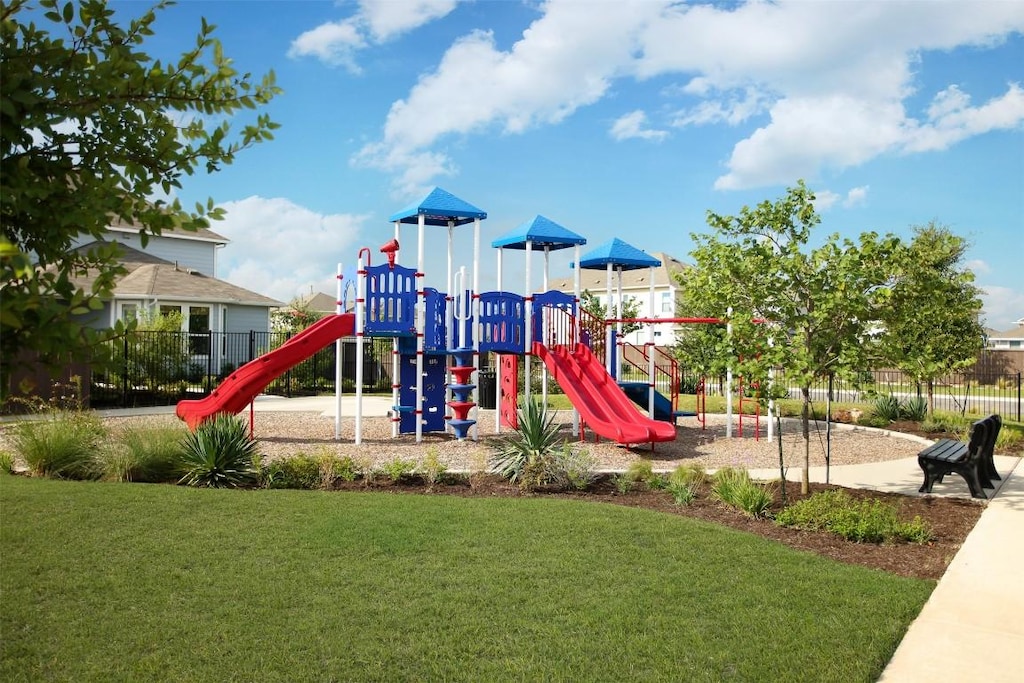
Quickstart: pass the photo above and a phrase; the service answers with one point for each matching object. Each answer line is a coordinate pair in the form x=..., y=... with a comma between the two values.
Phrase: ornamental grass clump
x=63, y=445
x=527, y=455
x=735, y=488
x=143, y=454
x=862, y=521
x=219, y=454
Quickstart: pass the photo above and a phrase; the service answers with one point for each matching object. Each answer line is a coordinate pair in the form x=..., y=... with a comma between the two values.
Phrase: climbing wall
x=509, y=390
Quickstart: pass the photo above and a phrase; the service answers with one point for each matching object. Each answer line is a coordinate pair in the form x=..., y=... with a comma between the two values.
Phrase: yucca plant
x=915, y=408
x=219, y=454
x=886, y=407
x=525, y=457
x=62, y=445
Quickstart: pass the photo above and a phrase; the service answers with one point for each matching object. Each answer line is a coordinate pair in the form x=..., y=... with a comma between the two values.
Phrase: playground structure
x=438, y=338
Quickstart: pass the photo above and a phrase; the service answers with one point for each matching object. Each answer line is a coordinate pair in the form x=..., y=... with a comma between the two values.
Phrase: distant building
x=1010, y=340
x=636, y=286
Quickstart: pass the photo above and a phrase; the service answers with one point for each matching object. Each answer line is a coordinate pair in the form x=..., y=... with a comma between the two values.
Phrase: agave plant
x=219, y=454
x=526, y=456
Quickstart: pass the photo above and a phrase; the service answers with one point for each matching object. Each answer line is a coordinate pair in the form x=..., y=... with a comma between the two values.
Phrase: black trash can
x=488, y=397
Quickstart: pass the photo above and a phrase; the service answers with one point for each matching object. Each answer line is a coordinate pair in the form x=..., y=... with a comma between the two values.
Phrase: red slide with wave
x=602, y=404
x=246, y=383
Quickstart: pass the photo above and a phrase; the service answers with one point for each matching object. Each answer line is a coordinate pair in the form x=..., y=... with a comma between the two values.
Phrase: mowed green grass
x=133, y=582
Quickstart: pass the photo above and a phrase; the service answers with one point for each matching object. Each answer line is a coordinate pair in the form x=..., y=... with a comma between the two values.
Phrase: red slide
x=245, y=383
x=603, y=405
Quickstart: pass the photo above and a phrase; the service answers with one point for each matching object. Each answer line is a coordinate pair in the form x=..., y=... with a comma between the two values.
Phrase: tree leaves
x=87, y=137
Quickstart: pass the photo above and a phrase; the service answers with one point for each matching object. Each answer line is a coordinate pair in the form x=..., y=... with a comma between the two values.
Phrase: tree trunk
x=805, y=479
x=930, y=384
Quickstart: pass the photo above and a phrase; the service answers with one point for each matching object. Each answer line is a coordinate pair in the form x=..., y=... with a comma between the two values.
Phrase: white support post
x=618, y=327
x=609, y=332
x=544, y=321
x=475, y=308
x=449, y=317
x=528, y=342
x=360, y=328
x=396, y=372
x=497, y=368
x=577, y=332
x=338, y=310
x=728, y=383
x=421, y=325
x=651, y=372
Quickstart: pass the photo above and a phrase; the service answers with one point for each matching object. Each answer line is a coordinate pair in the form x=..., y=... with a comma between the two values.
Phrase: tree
x=807, y=311
x=590, y=303
x=95, y=131
x=295, y=318
x=932, y=326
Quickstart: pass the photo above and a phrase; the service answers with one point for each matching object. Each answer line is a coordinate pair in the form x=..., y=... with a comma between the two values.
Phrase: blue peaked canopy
x=619, y=254
x=439, y=208
x=540, y=232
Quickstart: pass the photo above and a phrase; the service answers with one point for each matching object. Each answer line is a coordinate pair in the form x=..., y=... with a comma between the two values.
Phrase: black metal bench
x=972, y=460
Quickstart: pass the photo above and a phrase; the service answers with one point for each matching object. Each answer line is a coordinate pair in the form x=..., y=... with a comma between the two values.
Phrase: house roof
x=619, y=254
x=439, y=208
x=1015, y=333
x=594, y=280
x=317, y=302
x=540, y=232
x=152, y=277
x=203, y=234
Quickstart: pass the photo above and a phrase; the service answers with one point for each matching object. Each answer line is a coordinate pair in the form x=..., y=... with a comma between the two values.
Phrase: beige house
x=636, y=285
x=1010, y=340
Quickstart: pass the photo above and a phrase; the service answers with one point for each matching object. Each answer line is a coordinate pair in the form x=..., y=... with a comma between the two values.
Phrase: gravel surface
x=281, y=434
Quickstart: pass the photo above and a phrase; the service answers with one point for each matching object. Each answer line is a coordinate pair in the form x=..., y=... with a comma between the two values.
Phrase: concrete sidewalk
x=972, y=627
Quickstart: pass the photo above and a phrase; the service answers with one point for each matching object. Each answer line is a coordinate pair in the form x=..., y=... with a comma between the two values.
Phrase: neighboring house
x=636, y=285
x=176, y=272
x=1010, y=340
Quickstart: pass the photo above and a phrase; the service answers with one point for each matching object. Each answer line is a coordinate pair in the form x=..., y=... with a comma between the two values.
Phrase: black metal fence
x=161, y=368
x=971, y=393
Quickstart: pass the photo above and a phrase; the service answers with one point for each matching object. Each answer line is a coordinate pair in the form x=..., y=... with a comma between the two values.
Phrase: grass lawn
x=151, y=582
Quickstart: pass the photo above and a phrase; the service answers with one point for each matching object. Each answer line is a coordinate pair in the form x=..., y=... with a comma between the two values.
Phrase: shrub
x=62, y=445
x=6, y=462
x=432, y=469
x=623, y=482
x=735, y=488
x=398, y=469
x=144, y=454
x=330, y=467
x=295, y=472
x=1008, y=440
x=219, y=454
x=526, y=456
x=640, y=472
x=915, y=408
x=873, y=421
x=886, y=407
x=576, y=467
x=870, y=521
x=683, y=492
x=688, y=474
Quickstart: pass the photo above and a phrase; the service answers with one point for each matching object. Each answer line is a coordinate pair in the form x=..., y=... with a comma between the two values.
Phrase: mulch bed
x=949, y=519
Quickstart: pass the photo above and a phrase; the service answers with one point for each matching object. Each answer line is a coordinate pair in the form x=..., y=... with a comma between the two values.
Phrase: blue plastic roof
x=438, y=208
x=541, y=232
x=619, y=254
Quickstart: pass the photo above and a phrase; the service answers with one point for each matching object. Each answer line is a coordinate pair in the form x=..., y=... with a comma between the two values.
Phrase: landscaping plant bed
x=950, y=520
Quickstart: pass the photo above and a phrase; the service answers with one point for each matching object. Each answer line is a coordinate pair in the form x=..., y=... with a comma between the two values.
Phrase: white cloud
x=833, y=78
x=856, y=197
x=333, y=43
x=632, y=125
x=280, y=249
x=825, y=200
x=1002, y=306
x=978, y=267
x=337, y=42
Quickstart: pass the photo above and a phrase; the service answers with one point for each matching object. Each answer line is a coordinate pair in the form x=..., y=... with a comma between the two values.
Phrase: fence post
x=1018, y=395
x=207, y=385
x=124, y=374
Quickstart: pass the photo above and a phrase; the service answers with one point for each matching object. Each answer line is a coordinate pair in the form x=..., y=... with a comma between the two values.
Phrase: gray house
x=176, y=272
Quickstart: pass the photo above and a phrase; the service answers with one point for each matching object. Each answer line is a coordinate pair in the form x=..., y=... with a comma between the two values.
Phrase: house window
x=666, y=302
x=129, y=312
x=198, y=330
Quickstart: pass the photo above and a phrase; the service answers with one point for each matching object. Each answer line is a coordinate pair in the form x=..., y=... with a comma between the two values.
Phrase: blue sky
x=615, y=119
